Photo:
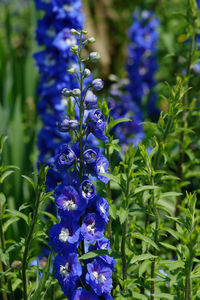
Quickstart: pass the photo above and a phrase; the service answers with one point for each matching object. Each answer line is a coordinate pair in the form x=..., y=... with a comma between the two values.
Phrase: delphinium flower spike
x=82, y=212
x=53, y=33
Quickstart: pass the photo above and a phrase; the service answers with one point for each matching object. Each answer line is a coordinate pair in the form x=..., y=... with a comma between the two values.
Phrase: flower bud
x=16, y=264
x=71, y=70
x=76, y=92
x=74, y=48
x=94, y=57
x=89, y=41
x=86, y=73
x=97, y=84
x=83, y=31
x=67, y=124
x=74, y=31
x=66, y=92
x=91, y=100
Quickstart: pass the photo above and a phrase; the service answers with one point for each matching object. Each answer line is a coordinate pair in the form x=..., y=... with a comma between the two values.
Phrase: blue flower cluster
x=83, y=214
x=123, y=106
x=142, y=60
x=53, y=34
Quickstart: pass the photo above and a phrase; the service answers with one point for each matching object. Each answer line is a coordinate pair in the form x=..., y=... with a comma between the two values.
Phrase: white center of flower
x=91, y=228
x=102, y=208
x=100, y=277
x=64, y=270
x=104, y=246
x=101, y=168
x=63, y=236
x=71, y=41
x=51, y=32
x=68, y=8
x=70, y=205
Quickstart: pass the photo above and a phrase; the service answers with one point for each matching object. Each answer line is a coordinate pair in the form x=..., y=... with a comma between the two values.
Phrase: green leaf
x=18, y=214
x=113, y=211
x=5, y=174
x=170, y=194
x=9, y=222
x=52, y=217
x=165, y=296
x=30, y=180
x=123, y=214
x=145, y=239
x=142, y=257
x=144, y=266
x=139, y=296
x=145, y=187
x=93, y=254
x=174, y=233
x=113, y=123
x=169, y=246
x=112, y=177
x=2, y=199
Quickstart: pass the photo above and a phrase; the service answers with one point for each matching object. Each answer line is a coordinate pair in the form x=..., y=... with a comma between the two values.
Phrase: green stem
x=28, y=242
x=183, y=124
x=156, y=234
x=188, y=281
x=109, y=196
x=5, y=268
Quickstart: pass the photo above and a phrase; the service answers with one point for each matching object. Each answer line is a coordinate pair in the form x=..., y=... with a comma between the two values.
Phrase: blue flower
x=97, y=84
x=96, y=124
x=67, y=124
x=69, y=203
x=65, y=158
x=102, y=207
x=92, y=228
x=65, y=236
x=101, y=166
x=99, y=277
x=82, y=294
x=90, y=101
x=87, y=190
x=89, y=156
x=67, y=271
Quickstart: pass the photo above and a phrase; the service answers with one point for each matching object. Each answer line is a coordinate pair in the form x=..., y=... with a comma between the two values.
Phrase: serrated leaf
x=18, y=214
x=145, y=239
x=145, y=187
x=142, y=257
x=113, y=123
x=123, y=214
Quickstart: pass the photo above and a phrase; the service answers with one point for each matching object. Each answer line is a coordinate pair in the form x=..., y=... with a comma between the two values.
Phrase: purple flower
x=96, y=124
x=99, y=277
x=91, y=100
x=87, y=190
x=97, y=84
x=65, y=236
x=82, y=294
x=69, y=203
x=67, y=272
x=92, y=228
x=65, y=158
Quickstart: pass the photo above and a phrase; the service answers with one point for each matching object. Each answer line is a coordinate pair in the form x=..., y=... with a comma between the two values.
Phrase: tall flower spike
x=82, y=213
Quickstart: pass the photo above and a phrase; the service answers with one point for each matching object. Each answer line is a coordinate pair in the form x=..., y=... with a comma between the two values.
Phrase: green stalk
x=28, y=242
x=109, y=197
x=156, y=234
x=5, y=268
x=188, y=280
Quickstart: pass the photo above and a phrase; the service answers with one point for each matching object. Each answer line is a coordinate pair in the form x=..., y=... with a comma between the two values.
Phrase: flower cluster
x=142, y=60
x=83, y=214
x=53, y=33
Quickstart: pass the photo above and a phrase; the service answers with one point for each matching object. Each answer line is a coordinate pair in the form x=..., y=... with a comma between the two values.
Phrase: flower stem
x=28, y=242
x=109, y=195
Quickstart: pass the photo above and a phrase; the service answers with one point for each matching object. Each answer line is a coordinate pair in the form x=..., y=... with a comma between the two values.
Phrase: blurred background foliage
x=108, y=22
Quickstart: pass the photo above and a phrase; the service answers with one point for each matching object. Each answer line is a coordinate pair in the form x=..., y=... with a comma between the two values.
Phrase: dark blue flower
x=87, y=190
x=102, y=207
x=91, y=100
x=82, y=294
x=69, y=203
x=67, y=271
x=96, y=124
x=67, y=124
x=65, y=158
x=99, y=277
x=65, y=236
x=92, y=228
x=89, y=156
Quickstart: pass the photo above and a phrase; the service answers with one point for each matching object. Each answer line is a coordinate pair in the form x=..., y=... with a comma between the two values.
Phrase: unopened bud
x=74, y=31
x=86, y=73
x=94, y=57
x=71, y=70
x=74, y=48
x=66, y=92
x=97, y=84
x=84, y=31
x=16, y=264
x=76, y=92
